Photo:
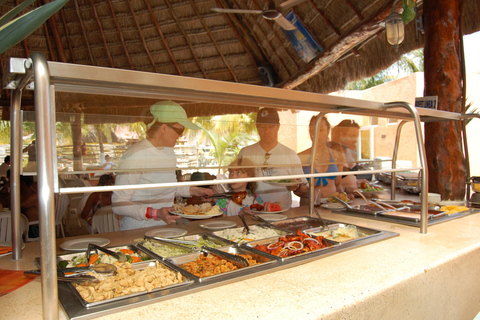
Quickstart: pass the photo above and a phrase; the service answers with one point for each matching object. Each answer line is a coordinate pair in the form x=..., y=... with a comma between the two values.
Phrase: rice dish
x=238, y=235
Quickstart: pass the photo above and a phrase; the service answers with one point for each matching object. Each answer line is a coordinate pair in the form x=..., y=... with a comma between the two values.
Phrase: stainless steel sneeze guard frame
x=51, y=77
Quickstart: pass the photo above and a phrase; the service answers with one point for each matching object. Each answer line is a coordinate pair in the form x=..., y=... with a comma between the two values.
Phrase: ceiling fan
x=272, y=13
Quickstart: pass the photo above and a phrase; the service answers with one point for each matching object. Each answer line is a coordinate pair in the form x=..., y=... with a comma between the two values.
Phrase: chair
x=61, y=205
x=6, y=226
x=73, y=206
x=104, y=220
x=80, y=206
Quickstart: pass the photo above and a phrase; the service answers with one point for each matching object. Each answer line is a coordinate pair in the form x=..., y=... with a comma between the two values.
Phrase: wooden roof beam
x=360, y=32
x=82, y=26
x=350, y=4
x=194, y=6
x=330, y=24
x=49, y=42
x=142, y=37
x=52, y=25
x=192, y=50
x=100, y=28
x=67, y=33
x=120, y=34
x=164, y=40
x=240, y=37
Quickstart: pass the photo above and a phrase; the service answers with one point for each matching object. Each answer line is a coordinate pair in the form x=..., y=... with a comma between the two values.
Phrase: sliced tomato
x=275, y=207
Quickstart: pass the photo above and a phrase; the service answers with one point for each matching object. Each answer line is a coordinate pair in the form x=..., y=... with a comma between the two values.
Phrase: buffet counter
x=415, y=276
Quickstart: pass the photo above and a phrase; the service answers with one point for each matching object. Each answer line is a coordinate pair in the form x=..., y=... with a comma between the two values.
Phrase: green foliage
x=15, y=31
x=409, y=63
x=408, y=10
x=228, y=134
x=471, y=109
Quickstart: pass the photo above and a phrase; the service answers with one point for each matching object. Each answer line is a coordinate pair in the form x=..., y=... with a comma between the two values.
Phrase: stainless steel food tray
x=220, y=242
x=264, y=259
x=138, y=266
x=366, y=232
x=435, y=219
x=301, y=223
x=278, y=231
x=252, y=244
x=70, y=256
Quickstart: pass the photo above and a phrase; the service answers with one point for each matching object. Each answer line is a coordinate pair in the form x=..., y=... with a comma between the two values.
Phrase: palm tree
x=409, y=63
x=227, y=133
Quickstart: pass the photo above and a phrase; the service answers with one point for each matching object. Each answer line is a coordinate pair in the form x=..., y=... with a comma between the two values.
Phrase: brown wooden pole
x=77, y=141
x=443, y=140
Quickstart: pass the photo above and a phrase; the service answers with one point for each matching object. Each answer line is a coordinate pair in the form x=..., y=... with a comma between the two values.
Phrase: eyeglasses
x=267, y=156
x=179, y=131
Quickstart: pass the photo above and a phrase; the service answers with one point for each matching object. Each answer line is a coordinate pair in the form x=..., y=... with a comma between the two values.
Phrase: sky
x=472, y=48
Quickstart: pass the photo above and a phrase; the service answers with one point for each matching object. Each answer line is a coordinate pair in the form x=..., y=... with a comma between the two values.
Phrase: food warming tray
x=264, y=259
x=301, y=223
x=188, y=280
x=279, y=232
x=267, y=241
x=220, y=242
x=363, y=232
x=70, y=256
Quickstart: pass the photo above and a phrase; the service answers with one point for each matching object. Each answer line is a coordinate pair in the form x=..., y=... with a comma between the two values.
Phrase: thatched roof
x=187, y=38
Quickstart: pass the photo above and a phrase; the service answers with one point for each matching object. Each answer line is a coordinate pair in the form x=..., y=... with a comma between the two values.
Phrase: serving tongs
x=80, y=279
x=325, y=226
x=120, y=256
x=227, y=194
x=390, y=207
x=236, y=260
x=245, y=224
x=178, y=241
x=346, y=205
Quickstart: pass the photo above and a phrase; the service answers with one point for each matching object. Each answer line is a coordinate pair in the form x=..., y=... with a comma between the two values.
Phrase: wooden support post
x=443, y=140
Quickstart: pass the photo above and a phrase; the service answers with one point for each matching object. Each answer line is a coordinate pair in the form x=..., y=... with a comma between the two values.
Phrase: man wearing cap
x=149, y=207
x=273, y=156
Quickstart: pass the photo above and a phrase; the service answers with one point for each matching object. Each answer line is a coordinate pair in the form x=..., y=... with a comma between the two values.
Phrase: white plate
x=332, y=205
x=8, y=244
x=218, y=224
x=257, y=211
x=196, y=216
x=166, y=232
x=82, y=244
x=272, y=216
x=284, y=184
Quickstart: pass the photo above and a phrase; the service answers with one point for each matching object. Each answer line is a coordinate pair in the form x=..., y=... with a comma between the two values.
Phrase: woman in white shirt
x=154, y=161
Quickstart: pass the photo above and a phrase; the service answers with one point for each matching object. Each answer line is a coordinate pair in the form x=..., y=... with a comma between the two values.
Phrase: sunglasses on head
x=179, y=131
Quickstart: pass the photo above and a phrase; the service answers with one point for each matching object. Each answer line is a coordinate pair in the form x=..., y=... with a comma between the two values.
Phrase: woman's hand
x=199, y=192
x=163, y=214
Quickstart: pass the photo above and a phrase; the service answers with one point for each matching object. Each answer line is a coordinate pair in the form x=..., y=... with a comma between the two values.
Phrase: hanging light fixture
x=394, y=28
